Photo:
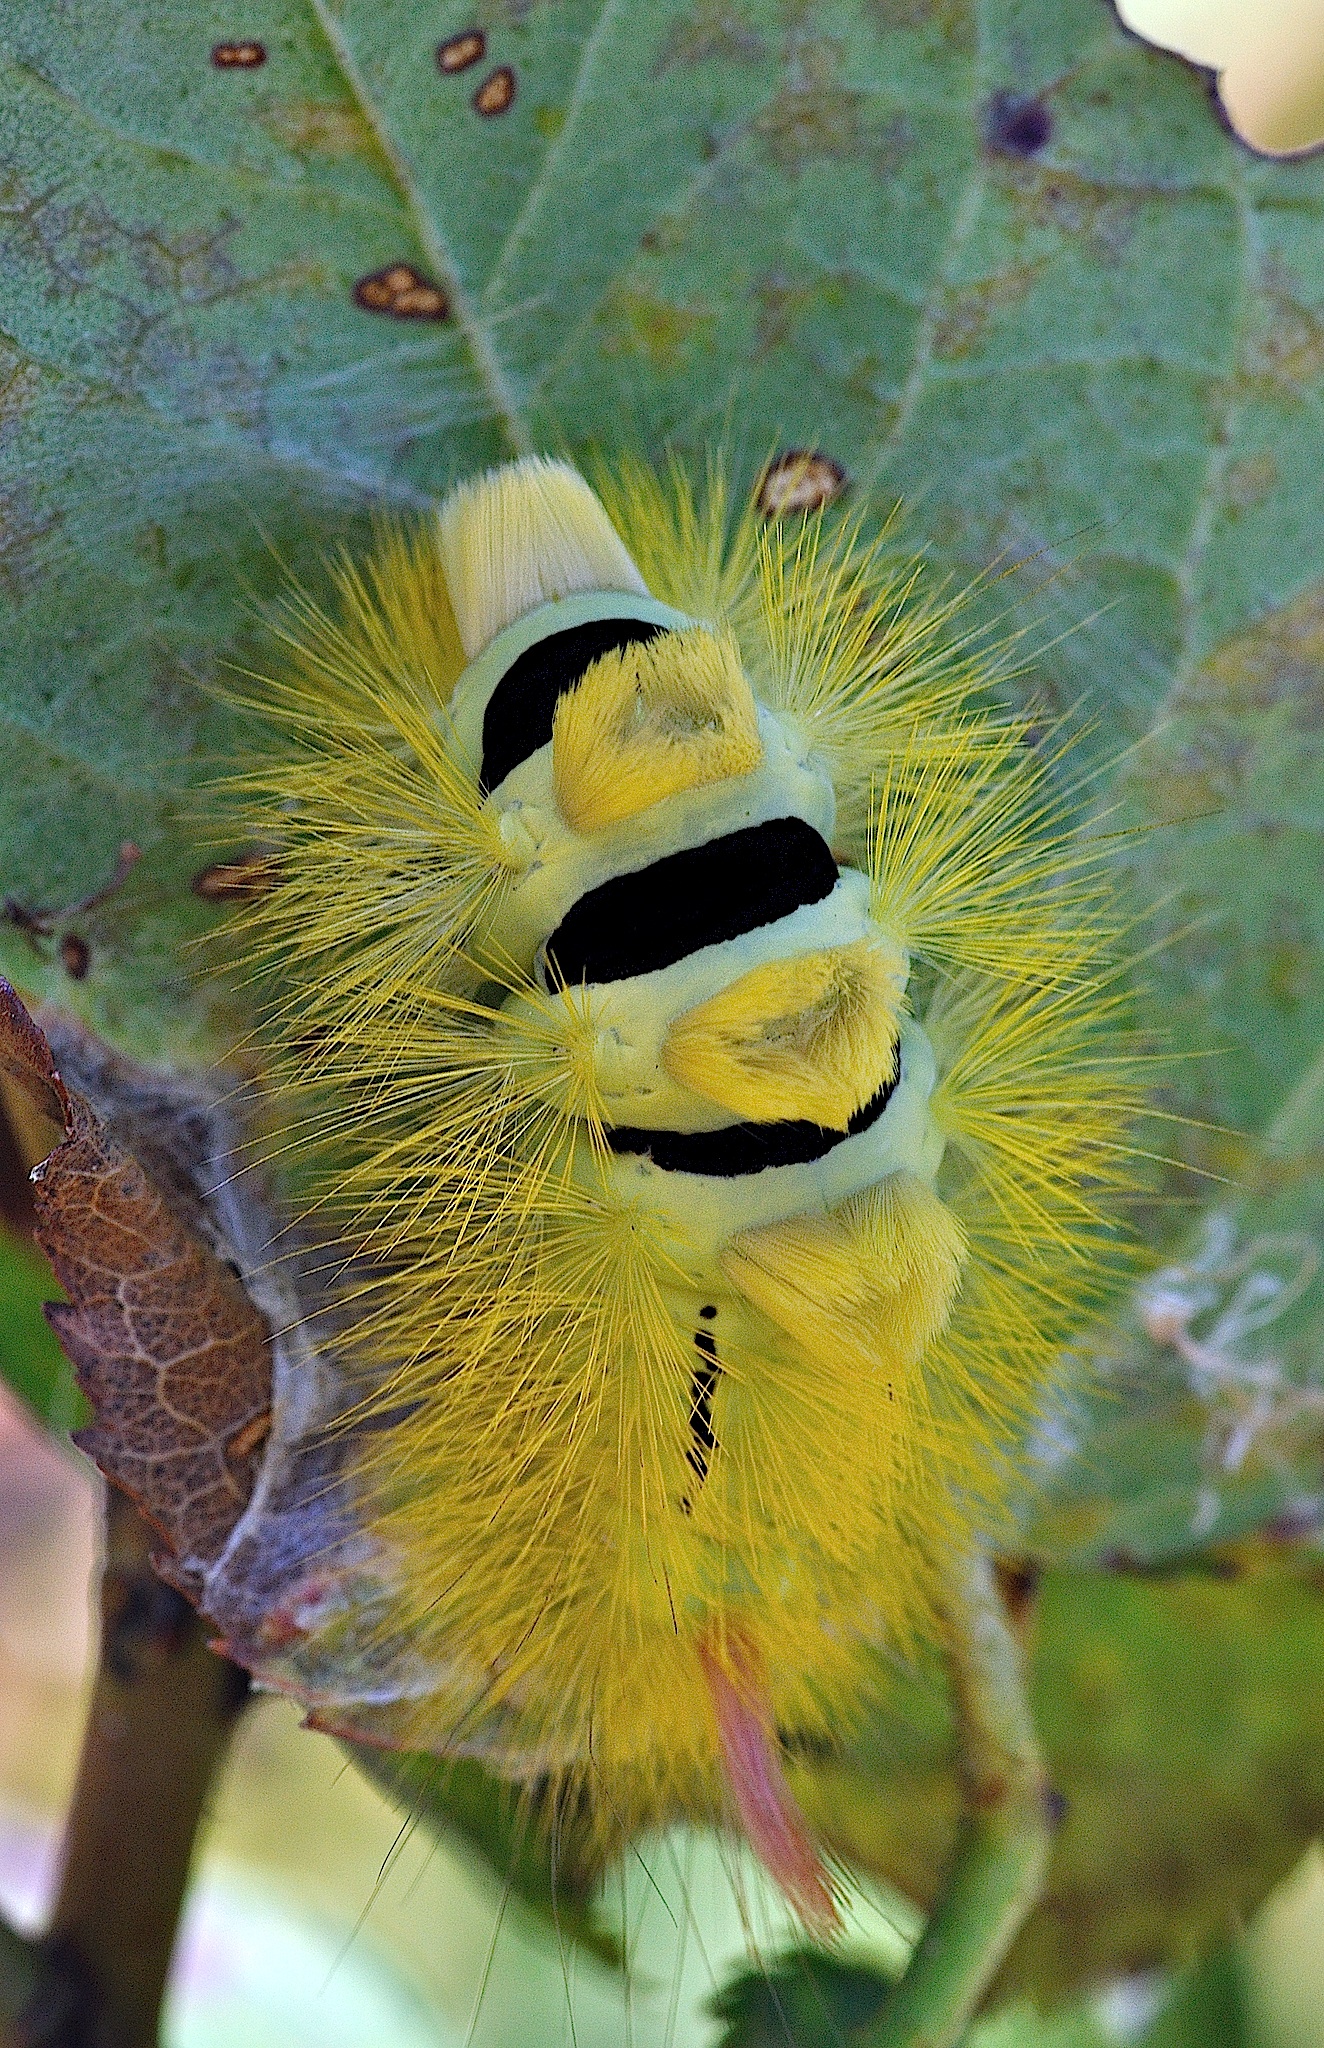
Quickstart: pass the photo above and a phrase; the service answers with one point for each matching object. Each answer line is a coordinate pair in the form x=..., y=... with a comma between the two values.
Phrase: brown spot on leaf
x=639, y=323
x=164, y=1340
x=801, y=480
x=1256, y=700
x=961, y=326
x=1284, y=352
x=1098, y=215
x=816, y=114
x=951, y=18
x=321, y=127
x=23, y=526
x=243, y=878
x=458, y=52
x=75, y=956
x=1275, y=666
x=24, y=534
x=496, y=94
x=1250, y=481
x=781, y=304
x=245, y=56
x=403, y=293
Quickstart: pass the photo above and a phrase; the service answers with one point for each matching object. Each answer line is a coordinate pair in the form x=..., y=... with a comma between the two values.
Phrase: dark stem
x=160, y=1720
x=18, y=1979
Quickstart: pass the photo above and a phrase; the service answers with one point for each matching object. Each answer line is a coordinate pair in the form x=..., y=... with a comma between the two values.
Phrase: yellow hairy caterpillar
x=699, y=1005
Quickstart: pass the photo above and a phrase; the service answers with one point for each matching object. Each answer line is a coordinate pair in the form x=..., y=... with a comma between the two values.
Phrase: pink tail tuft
x=772, y=1821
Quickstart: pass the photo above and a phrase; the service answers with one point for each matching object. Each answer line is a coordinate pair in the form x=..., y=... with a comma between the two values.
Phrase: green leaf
x=807, y=2000
x=1181, y=1724
x=812, y=2000
x=31, y=1362
x=499, y=1825
x=1208, y=2004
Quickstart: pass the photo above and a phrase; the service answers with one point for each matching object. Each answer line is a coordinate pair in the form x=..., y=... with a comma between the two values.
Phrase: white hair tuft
x=521, y=535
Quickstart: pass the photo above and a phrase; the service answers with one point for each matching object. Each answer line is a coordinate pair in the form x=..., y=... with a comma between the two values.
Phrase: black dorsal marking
x=639, y=922
x=702, y=1387
x=522, y=708
x=750, y=1148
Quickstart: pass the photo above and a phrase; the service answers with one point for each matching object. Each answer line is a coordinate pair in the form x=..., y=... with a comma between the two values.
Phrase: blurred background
x=319, y=1916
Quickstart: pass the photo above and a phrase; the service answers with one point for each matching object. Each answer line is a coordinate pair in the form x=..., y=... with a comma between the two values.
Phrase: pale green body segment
x=631, y=1017
x=469, y=699
x=705, y=1211
x=554, y=867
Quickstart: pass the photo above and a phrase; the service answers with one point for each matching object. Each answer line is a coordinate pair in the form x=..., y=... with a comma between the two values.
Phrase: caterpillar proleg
x=695, y=1006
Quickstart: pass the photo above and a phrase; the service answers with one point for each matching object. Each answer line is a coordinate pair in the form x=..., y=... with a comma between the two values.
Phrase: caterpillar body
x=698, y=1009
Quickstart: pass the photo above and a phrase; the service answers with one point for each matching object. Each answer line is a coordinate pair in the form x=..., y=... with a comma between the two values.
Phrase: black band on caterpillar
x=639, y=922
x=521, y=709
x=750, y=1148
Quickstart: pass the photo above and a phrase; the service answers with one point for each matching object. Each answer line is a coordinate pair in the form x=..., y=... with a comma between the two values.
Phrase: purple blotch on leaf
x=1016, y=124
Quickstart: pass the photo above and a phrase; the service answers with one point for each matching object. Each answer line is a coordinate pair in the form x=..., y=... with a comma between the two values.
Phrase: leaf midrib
x=506, y=409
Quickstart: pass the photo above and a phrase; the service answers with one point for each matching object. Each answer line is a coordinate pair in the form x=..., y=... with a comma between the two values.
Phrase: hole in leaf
x=1269, y=63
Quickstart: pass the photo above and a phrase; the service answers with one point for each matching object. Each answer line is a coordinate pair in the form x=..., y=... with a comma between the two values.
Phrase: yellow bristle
x=385, y=858
x=868, y=658
x=692, y=549
x=878, y=1278
x=520, y=536
x=915, y=1250
x=976, y=861
x=648, y=721
x=812, y=1036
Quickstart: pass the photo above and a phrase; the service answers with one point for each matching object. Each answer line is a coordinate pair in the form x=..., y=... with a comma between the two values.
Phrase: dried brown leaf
x=165, y=1342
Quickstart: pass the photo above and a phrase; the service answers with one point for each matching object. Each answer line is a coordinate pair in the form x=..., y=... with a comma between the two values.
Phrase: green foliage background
x=763, y=223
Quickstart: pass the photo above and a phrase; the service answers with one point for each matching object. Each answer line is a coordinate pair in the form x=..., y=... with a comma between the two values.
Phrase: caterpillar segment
x=716, y=1298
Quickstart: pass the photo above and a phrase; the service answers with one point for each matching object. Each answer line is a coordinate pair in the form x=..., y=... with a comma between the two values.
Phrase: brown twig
x=160, y=1720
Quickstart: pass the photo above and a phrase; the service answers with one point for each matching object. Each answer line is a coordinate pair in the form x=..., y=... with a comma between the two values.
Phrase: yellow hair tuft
x=878, y=1276
x=812, y=1036
x=693, y=550
x=648, y=721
